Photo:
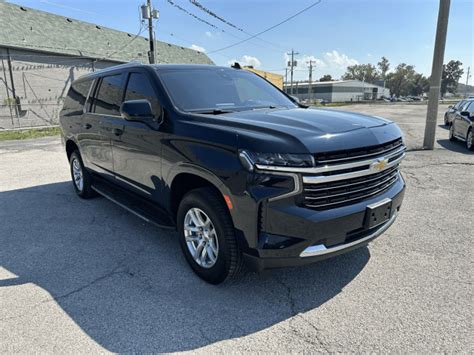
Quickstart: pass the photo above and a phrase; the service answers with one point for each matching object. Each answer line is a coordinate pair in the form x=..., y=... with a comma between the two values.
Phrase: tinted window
x=108, y=97
x=470, y=108
x=76, y=97
x=220, y=88
x=139, y=88
x=459, y=104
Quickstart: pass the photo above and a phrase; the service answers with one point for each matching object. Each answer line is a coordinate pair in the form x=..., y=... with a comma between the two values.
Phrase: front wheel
x=207, y=236
x=470, y=140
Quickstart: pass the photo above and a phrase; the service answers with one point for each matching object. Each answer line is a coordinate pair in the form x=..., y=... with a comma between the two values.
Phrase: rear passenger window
x=76, y=98
x=139, y=88
x=108, y=97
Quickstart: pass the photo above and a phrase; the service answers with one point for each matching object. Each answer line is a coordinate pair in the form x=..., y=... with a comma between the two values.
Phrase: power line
x=200, y=19
x=220, y=18
x=211, y=13
x=268, y=29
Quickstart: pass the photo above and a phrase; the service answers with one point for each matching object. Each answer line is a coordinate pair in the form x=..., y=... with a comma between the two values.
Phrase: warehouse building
x=337, y=91
x=275, y=79
x=41, y=53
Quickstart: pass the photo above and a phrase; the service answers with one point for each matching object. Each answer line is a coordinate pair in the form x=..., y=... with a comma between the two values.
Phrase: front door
x=137, y=151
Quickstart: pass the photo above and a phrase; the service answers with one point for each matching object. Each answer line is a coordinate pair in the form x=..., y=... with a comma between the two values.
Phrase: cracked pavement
x=87, y=276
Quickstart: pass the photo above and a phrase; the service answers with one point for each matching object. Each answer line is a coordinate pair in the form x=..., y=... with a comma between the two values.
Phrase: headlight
x=250, y=159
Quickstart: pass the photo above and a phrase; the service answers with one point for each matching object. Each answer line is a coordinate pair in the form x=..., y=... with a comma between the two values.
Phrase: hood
x=307, y=130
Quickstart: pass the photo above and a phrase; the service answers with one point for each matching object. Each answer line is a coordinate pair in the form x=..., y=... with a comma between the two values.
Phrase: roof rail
x=120, y=66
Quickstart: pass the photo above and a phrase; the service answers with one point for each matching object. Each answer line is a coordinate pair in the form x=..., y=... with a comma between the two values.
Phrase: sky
x=334, y=33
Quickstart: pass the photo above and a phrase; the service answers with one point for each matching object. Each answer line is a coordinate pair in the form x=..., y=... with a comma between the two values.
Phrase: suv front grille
x=344, y=192
x=348, y=177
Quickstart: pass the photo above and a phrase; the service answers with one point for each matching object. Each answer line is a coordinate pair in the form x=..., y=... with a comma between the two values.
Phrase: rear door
x=102, y=121
x=137, y=151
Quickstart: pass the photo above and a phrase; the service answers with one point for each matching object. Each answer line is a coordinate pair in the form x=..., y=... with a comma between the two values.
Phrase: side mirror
x=137, y=110
x=450, y=106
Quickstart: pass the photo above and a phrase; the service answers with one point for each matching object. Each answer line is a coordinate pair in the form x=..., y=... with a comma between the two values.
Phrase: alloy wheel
x=469, y=140
x=201, y=238
x=77, y=174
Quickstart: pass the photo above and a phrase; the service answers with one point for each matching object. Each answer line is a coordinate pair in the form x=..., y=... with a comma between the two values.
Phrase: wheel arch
x=188, y=178
x=70, y=146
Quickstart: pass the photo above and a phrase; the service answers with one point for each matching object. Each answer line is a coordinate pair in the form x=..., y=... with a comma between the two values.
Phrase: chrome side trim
x=320, y=249
x=328, y=168
x=369, y=171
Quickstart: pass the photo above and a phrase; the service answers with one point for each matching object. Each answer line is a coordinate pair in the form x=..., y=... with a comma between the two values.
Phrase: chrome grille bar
x=323, y=188
x=391, y=177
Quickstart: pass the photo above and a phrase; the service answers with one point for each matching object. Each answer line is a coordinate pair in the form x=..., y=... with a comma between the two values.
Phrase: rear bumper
x=307, y=236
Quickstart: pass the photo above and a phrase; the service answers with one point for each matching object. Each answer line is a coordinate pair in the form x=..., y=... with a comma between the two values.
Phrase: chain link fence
x=29, y=115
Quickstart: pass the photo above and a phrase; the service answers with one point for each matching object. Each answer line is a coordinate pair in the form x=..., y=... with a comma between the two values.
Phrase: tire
x=452, y=138
x=446, y=122
x=82, y=186
x=470, y=140
x=223, y=258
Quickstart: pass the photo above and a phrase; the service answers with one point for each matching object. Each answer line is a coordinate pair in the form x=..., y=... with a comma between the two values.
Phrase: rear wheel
x=470, y=140
x=446, y=122
x=207, y=237
x=452, y=138
x=81, y=178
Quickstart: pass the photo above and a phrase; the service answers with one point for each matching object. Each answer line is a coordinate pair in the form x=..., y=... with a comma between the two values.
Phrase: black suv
x=245, y=173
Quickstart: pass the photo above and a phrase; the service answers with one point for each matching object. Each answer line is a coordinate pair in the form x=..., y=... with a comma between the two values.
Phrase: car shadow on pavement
x=126, y=285
x=456, y=146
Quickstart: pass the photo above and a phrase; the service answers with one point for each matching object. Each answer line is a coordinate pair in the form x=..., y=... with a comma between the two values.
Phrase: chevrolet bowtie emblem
x=380, y=164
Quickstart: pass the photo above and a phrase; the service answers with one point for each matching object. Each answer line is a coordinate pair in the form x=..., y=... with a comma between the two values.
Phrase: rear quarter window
x=76, y=98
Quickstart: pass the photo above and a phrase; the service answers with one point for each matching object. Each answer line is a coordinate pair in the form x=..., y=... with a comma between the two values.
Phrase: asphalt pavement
x=87, y=276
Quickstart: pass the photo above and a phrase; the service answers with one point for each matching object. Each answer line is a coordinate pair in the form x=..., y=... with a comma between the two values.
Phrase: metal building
x=41, y=53
x=337, y=91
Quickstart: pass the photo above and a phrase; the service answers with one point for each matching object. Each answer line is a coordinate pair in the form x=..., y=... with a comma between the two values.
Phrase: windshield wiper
x=215, y=111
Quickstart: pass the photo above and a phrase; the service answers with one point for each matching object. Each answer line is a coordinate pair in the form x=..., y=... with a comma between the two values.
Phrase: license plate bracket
x=378, y=213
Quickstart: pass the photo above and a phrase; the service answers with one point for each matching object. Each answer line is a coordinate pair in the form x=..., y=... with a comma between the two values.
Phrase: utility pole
x=286, y=78
x=310, y=83
x=149, y=13
x=467, y=81
x=292, y=64
x=436, y=72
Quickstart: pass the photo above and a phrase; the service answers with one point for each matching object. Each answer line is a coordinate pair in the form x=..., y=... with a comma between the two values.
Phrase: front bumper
x=307, y=236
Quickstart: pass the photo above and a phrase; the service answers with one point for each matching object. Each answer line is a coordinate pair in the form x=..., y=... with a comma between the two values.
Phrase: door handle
x=117, y=131
x=87, y=126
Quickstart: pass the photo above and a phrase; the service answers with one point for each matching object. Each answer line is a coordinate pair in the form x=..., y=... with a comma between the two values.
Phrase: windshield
x=220, y=90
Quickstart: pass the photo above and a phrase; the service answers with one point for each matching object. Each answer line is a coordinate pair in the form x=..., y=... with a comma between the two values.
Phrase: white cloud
x=339, y=59
x=247, y=60
x=198, y=48
x=208, y=34
x=318, y=63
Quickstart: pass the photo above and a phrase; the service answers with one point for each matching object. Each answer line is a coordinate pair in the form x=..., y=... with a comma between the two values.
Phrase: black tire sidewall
x=472, y=141
x=196, y=199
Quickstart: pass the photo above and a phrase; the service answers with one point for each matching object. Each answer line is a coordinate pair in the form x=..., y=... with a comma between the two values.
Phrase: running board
x=140, y=207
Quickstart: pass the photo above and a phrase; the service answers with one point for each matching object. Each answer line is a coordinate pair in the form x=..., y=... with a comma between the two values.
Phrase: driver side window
x=139, y=88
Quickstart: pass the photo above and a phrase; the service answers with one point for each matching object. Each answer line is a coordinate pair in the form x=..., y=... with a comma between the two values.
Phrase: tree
x=362, y=72
x=418, y=85
x=400, y=81
x=452, y=72
x=326, y=77
x=383, y=66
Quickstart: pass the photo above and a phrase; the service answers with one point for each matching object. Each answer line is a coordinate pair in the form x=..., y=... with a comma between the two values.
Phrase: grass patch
x=29, y=133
